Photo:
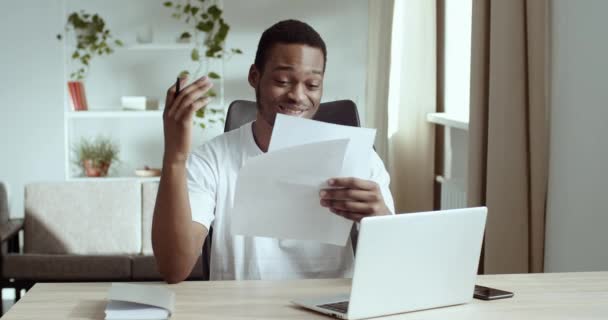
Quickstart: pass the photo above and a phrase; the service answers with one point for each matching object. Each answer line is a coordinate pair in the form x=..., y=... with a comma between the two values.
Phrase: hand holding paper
x=277, y=194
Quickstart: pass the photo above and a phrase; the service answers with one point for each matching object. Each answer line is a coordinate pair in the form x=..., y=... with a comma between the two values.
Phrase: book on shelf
x=77, y=96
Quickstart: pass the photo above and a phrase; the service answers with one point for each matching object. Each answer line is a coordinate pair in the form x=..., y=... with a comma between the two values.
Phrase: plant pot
x=93, y=169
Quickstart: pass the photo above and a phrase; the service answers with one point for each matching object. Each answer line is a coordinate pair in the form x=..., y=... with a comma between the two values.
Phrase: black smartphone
x=485, y=293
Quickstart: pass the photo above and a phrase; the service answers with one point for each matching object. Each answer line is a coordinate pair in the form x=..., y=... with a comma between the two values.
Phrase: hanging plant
x=93, y=38
x=209, y=31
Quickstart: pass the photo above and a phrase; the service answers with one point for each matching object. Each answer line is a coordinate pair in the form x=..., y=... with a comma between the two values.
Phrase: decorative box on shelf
x=139, y=103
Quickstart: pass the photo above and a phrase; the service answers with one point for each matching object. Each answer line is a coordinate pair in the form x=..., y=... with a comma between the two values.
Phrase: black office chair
x=240, y=112
x=342, y=112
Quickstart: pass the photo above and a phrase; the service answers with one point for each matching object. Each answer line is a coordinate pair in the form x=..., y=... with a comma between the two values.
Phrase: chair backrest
x=342, y=112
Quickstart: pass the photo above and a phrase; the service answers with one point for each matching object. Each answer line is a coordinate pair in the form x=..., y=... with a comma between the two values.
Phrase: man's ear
x=254, y=76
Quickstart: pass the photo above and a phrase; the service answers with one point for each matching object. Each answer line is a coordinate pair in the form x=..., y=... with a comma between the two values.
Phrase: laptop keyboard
x=341, y=307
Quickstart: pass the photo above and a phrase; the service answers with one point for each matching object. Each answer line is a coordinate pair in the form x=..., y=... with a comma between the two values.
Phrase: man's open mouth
x=291, y=110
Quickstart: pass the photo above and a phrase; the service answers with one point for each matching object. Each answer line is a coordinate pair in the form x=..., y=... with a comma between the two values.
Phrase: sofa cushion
x=149, y=191
x=46, y=267
x=88, y=217
x=144, y=268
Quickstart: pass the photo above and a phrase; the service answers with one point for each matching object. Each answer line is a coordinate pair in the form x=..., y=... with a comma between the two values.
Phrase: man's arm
x=177, y=240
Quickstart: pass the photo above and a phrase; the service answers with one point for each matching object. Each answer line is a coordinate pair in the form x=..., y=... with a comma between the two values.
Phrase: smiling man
x=196, y=188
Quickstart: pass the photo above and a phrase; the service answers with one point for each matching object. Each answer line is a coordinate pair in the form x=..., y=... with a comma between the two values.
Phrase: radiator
x=453, y=193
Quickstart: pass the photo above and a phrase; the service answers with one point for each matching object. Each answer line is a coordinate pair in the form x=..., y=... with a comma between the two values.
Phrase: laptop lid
x=416, y=261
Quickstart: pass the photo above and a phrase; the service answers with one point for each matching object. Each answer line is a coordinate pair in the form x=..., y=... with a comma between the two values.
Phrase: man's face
x=291, y=82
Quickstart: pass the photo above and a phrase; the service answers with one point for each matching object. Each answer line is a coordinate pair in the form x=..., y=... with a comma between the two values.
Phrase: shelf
x=114, y=114
x=158, y=46
x=143, y=179
x=448, y=120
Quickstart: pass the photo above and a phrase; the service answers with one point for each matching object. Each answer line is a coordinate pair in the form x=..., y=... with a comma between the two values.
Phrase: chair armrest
x=10, y=228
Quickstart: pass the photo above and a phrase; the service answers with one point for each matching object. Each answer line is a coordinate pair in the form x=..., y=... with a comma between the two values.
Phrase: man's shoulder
x=223, y=143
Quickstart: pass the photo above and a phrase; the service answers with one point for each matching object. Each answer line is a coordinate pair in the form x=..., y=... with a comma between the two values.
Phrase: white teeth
x=291, y=111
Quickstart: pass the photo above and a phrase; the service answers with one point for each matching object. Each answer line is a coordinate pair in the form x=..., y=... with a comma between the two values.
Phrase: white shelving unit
x=72, y=117
x=113, y=113
x=158, y=46
x=135, y=69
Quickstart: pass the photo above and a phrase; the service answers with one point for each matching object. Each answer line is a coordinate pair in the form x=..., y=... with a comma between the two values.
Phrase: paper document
x=133, y=301
x=292, y=131
x=277, y=193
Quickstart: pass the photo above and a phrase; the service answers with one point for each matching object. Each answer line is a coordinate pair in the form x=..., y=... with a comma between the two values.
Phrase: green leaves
x=205, y=26
x=92, y=38
x=211, y=93
x=214, y=12
x=100, y=150
x=195, y=55
x=209, y=31
x=185, y=35
x=200, y=113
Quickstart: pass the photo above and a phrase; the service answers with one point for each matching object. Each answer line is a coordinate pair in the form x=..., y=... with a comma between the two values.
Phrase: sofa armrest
x=10, y=229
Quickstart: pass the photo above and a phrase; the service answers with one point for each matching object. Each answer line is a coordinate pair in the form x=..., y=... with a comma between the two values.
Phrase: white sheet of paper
x=277, y=194
x=290, y=131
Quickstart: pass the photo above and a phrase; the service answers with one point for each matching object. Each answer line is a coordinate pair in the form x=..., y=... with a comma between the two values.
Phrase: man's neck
x=262, y=131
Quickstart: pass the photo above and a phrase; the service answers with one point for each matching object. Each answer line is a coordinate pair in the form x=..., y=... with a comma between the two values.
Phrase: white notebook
x=143, y=302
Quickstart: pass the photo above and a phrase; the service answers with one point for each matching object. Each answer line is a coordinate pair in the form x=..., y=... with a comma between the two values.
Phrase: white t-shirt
x=212, y=170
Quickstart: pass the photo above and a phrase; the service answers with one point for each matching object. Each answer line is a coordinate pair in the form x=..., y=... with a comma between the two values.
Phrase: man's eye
x=313, y=86
x=281, y=82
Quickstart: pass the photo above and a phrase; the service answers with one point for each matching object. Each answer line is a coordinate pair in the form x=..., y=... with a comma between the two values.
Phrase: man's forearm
x=174, y=240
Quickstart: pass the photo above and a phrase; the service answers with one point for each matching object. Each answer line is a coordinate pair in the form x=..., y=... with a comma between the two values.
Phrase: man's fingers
x=351, y=206
x=184, y=94
x=186, y=113
x=349, y=194
x=354, y=183
x=171, y=93
x=190, y=98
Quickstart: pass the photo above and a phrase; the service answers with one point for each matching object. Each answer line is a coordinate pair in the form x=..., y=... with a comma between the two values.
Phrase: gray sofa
x=81, y=231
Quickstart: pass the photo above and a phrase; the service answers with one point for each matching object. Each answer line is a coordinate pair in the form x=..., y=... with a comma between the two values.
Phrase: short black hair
x=288, y=32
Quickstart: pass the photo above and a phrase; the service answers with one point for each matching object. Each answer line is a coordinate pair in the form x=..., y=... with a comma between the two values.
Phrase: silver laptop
x=410, y=262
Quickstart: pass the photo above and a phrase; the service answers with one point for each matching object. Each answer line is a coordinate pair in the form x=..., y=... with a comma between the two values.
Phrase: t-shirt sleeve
x=201, y=175
x=382, y=178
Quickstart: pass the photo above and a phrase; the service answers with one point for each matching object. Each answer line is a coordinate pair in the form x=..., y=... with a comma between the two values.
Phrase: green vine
x=206, y=18
x=92, y=38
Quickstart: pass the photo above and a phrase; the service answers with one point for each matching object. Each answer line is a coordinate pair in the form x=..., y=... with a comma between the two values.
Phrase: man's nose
x=296, y=93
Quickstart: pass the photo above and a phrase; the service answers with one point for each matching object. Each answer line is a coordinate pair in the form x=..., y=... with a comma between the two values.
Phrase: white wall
x=32, y=75
x=31, y=96
x=577, y=219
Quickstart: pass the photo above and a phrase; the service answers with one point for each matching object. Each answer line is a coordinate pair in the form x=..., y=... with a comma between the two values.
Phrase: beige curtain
x=508, y=130
x=380, y=26
x=408, y=78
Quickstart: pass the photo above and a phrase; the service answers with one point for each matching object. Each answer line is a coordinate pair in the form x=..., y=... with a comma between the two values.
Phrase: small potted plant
x=96, y=156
